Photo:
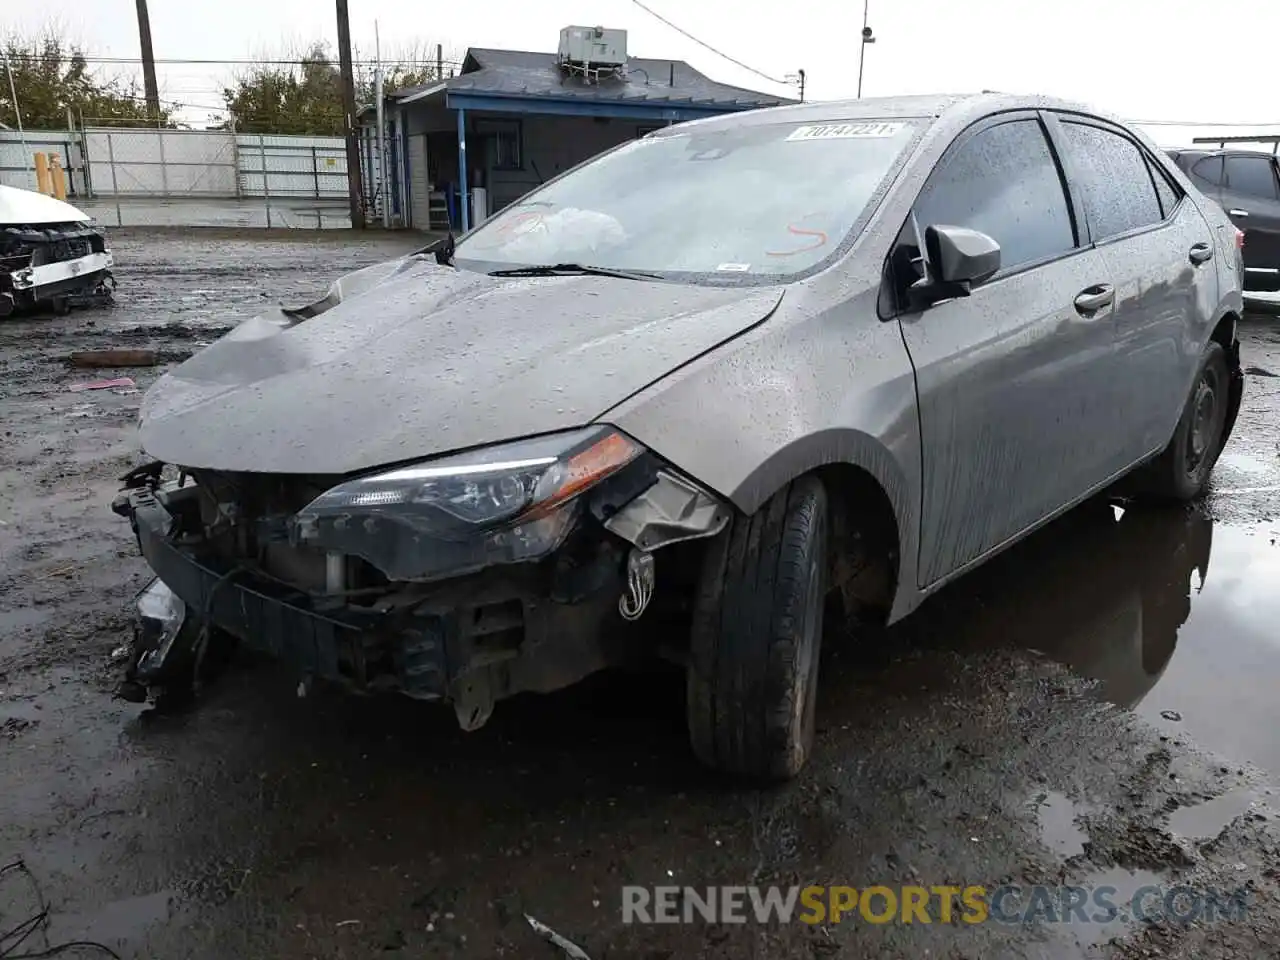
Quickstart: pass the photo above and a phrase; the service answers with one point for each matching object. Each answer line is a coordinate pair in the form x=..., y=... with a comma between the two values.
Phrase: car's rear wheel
x=1182, y=470
x=757, y=633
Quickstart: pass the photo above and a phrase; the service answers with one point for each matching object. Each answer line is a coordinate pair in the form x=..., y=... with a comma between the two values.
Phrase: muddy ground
x=1096, y=707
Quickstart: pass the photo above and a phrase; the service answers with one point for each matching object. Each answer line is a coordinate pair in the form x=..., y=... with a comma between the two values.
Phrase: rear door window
x=1252, y=176
x=1209, y=170
x=1114, y=180
x=1005, y=182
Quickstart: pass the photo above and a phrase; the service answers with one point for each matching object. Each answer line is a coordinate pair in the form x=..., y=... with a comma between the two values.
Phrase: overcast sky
x=1172, y=60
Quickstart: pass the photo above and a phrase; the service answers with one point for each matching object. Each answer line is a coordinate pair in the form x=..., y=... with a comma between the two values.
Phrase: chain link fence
x=131, y=176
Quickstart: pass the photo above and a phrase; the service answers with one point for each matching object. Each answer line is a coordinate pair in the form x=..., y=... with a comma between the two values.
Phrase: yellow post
x=43, y=184
x=59, y=179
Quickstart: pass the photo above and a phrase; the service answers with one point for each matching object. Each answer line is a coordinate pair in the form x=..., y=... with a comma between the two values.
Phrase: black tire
x=1182, y=470
x=757, y=634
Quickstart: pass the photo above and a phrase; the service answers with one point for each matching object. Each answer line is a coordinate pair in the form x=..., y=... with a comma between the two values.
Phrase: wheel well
x=863, y=559
x=1225, y=334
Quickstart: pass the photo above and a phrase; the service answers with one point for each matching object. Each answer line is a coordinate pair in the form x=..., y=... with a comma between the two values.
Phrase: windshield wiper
x=573, y=270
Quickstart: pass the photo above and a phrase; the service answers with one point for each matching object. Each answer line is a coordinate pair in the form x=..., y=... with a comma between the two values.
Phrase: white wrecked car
x=51, y=255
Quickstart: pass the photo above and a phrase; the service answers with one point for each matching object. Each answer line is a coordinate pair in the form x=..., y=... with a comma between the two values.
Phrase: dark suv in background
x=1247, y=185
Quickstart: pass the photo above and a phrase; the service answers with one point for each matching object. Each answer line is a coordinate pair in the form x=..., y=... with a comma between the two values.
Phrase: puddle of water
x=1056, y=815
x=1221, y=684
x=1120, y=887
x=1204, y=821
x=1174, y=616
x=1088, y=912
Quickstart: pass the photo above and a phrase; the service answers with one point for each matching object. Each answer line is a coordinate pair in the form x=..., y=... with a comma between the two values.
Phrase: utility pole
x=384, y=191
x=148, y=61
x=354, y=193
x=439, y=62
x=867, y=37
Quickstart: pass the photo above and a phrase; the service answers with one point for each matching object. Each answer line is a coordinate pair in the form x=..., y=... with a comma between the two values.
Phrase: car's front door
x=1162, y=255
x=1251, y=196
x=1017, y=381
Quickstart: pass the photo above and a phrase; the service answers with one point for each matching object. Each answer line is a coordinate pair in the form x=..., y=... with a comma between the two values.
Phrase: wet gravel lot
x=1096, y=707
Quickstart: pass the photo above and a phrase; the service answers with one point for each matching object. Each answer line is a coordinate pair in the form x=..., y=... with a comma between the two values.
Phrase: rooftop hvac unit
x=593, y=47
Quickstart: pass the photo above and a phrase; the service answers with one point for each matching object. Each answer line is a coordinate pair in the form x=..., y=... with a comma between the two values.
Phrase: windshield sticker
x=846, y=131
x=734, y=267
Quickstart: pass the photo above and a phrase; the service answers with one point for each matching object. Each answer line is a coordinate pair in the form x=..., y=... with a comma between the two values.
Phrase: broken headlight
x=453, y=515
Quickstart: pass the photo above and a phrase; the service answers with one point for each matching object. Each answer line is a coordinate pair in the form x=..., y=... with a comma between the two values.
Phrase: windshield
x=742, y=201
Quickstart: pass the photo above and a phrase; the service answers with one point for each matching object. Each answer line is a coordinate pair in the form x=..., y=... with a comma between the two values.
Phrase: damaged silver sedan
x=688, y=400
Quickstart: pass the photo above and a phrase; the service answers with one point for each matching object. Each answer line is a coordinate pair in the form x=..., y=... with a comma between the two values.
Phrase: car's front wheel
x=1182, y=470
x=757, y=633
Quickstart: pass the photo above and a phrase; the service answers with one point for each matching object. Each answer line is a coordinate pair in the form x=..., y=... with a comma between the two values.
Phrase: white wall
x=313, y=167
x=17, y=162
x=161, y=163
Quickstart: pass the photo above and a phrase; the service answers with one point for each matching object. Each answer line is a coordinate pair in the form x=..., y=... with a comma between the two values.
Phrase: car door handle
x=1095, y=298
x=1201, y=253
x=1237, y=212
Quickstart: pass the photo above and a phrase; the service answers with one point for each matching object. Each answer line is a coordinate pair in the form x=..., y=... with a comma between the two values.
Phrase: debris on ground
x=570, y=948
x=102, y=384
x=114, y=358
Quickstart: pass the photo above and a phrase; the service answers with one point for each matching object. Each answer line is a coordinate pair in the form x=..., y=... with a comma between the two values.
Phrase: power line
x=265, y=61
x=703, y=43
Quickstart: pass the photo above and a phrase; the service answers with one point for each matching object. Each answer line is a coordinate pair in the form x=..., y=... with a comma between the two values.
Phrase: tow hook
x=641, y=579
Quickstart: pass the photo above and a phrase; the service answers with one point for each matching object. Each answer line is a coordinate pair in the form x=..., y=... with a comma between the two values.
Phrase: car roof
x=1200, y=153
x=960, y=107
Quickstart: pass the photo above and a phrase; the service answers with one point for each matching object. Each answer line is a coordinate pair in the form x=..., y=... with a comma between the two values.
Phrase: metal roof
x=520, y=74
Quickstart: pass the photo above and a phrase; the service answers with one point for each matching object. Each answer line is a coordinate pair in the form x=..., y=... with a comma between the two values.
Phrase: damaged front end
x=465, y=578
x=53, y=266
x=51, y=255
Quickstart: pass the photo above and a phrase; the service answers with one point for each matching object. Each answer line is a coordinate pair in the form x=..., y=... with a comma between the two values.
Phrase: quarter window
x=1004, y=182
x=1113, y=179
x=1167, y=192
x=1253, y=176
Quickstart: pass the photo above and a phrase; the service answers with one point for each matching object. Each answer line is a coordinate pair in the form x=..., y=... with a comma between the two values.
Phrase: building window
x=504, y=139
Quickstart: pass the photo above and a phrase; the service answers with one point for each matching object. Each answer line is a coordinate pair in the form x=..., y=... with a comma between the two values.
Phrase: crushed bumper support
x=470, y=642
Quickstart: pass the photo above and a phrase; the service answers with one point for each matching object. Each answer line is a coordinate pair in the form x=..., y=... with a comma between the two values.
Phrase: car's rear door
x=1251, y=196
x=1016, y=382
x=1161, y=253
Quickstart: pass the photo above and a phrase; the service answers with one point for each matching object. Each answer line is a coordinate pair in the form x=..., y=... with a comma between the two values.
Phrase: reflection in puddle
x=1056, y=815
x=1120, y=886
x=1112, y=593
x=1204, y=821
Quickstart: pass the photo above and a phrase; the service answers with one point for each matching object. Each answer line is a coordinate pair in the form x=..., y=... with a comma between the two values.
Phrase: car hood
x=20, y=207
x=410, y=359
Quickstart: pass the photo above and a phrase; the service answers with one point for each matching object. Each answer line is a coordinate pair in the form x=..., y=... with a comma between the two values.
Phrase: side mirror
x=961, y=255
x=959, y=259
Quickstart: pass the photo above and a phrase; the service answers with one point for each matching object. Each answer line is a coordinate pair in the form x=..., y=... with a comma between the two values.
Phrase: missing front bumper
x=470, y=642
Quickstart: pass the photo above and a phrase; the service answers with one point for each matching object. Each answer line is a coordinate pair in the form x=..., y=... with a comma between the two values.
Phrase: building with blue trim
x=513, y=120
